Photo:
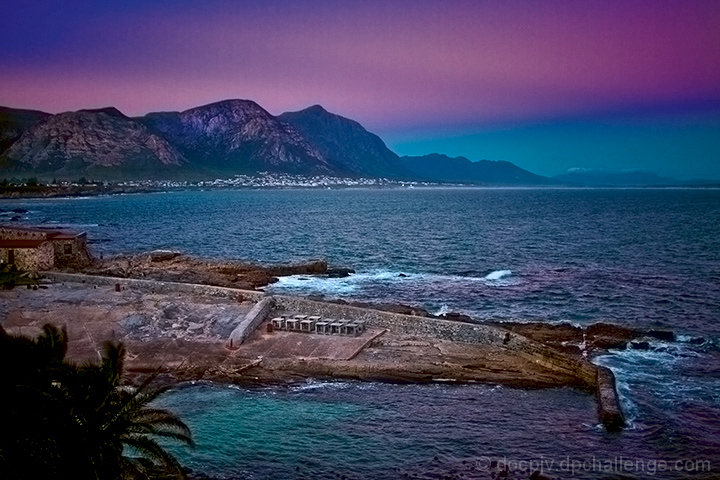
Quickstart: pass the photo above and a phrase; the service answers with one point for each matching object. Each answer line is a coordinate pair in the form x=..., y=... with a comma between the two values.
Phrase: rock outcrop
x=172, y=266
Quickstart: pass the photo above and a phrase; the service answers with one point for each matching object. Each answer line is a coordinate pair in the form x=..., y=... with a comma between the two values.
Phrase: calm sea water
x=647, y=258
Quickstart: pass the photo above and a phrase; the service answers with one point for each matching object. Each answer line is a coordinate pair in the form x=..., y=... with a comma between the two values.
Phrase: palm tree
x=113, y=421
x=30, y=403
x=80, y=422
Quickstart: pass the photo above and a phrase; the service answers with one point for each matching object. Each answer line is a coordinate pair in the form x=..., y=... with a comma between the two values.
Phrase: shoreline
x=20, y=193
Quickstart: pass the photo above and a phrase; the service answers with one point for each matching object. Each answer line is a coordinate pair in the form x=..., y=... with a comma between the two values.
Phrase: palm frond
x=152, y=450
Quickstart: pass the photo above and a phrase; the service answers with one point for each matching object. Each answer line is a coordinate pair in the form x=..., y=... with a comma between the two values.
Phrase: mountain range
x=232, y=137
x=220, y=139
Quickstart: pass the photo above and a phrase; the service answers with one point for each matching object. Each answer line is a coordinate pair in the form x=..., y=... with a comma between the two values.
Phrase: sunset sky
x=548, y=85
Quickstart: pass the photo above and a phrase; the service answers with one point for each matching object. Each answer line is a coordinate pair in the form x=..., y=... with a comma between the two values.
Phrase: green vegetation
x=10, y=277
x=67, y=421
x=30, y=185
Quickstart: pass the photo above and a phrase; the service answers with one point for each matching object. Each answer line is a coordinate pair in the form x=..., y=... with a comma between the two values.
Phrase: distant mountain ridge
x=461, y=170
x=220, y=139
x=596, y=177
x=102, y=143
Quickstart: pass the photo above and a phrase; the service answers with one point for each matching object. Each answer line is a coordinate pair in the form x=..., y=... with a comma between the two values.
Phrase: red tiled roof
x=21, y=243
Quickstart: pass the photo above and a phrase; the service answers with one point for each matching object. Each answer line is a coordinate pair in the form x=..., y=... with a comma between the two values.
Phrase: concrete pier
x=608, y=402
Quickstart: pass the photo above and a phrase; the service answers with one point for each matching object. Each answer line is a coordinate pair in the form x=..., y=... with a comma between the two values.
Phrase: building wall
x=41, y=257
x=71, y=252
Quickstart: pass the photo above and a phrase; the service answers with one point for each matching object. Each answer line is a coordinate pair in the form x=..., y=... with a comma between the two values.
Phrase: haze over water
x=648, y=258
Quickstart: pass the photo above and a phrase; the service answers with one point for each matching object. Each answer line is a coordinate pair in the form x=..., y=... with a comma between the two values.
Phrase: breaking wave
x=498, y=275
x=369, y=281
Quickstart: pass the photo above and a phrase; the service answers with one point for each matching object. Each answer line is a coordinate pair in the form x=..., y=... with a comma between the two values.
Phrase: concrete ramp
x=251, y=321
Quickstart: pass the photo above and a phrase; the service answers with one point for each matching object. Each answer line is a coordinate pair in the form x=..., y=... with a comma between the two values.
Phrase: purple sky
x=409, y=70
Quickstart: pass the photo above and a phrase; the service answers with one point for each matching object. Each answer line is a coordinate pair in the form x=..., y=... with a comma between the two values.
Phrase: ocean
x=637, y=257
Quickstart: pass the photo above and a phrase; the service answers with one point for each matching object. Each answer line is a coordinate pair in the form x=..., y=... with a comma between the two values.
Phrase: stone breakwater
x=398, y=346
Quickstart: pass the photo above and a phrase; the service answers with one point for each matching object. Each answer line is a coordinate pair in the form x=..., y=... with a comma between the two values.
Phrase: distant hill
x=438, y=167
x=602, y=178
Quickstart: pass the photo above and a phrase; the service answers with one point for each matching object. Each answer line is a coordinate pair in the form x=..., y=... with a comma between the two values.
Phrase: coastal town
x=24, y=187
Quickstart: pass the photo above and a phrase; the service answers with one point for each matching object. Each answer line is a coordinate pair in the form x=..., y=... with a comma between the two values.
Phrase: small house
x=37, y=248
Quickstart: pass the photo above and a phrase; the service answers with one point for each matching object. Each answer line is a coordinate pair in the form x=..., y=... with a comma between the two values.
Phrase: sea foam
x=498, y=274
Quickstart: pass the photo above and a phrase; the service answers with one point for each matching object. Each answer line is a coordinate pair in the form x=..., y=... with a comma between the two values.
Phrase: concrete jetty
x=608, y=402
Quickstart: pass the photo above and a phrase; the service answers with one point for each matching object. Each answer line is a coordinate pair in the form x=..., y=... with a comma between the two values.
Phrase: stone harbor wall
x=251, y=321
x=447, y=330
x=608, y=402
x=154, y=286
x=421, y=326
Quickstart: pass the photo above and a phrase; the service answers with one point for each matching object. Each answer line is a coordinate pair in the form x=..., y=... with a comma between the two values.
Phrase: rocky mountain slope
x=238, y=136
x=14, y=122
x=347, y=146
x=101, y=143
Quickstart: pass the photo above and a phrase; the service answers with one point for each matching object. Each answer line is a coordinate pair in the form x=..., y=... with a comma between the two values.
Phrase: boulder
x=163, y=255
x=554, y=334
x=258, y=278
x=312, y=267
x=665, y=335
x=339, y=272
x=456, y=317
x=607, y=335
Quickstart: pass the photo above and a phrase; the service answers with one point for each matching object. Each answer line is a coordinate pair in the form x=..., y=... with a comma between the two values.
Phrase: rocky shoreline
x=579, y=343
x=176, y=315
x=171, y=266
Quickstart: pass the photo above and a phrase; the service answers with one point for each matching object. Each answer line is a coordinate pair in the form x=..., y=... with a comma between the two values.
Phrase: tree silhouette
x=80, y=422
